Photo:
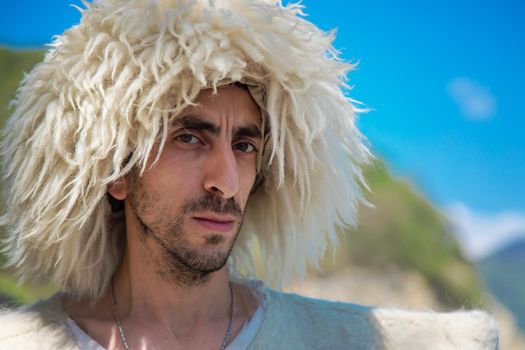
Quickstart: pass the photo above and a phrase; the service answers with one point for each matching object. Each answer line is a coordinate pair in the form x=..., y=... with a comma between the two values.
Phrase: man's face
x=190, y=204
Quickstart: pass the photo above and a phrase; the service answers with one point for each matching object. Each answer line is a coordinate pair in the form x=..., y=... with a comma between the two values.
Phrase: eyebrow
x=193, y=122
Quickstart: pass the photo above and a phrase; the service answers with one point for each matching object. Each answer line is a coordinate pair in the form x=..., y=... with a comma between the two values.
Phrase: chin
x=214, y=239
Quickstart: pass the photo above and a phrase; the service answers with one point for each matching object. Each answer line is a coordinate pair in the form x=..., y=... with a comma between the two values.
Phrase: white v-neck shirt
x=241, y=341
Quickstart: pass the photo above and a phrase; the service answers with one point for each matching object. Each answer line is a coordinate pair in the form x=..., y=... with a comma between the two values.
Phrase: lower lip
x=216, y=226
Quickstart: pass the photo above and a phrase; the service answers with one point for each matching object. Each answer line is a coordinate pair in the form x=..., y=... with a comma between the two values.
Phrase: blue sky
x=444, y=80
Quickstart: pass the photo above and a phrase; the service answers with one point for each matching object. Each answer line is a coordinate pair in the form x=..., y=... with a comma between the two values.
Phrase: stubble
x=176, y=260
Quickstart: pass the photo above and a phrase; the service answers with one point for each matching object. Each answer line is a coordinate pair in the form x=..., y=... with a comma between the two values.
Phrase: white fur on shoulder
x=40, y=326
x=410, y=330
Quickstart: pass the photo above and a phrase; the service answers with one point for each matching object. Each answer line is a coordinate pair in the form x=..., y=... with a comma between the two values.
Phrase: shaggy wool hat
x=110, y=87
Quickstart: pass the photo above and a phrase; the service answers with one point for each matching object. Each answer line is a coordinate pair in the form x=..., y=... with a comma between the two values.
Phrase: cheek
x=180, y=169
x=247, y=180
x=174, y=183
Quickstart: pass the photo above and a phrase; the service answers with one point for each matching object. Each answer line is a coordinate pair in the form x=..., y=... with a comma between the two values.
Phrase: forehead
x=232, y=104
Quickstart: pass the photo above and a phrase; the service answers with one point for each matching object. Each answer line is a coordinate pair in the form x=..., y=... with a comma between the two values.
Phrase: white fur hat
x=108, y=87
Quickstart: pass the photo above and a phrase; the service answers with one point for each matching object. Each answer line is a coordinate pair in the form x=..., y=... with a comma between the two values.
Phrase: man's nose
x=221, y=173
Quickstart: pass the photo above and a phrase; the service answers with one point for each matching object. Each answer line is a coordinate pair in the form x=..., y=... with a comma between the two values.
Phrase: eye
x=187, y=138
x=245, y=147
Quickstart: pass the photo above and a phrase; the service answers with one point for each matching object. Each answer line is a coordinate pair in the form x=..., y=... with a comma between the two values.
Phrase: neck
x=143, y=294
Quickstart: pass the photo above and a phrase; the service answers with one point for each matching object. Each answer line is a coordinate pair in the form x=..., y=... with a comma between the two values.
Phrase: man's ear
x=119, y=189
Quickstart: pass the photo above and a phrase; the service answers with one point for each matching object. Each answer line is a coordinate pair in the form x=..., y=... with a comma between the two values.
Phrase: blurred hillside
x=508, y=286
x=404, y=231
x=13, y=65
x=402, y=254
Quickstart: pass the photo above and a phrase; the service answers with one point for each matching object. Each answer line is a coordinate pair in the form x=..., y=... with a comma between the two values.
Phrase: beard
x=177, y=260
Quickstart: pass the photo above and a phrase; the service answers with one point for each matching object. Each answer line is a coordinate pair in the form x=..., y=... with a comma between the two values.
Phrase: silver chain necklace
x=123, y=334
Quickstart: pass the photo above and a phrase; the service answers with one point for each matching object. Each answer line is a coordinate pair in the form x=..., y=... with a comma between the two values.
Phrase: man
x=163, y=155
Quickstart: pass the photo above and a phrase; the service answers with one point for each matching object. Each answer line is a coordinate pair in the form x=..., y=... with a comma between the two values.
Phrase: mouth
x=216, y=223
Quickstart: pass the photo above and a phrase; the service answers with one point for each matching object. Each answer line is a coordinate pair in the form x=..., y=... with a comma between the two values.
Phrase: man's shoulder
x=313, y=323
x=294, y=321
x=38, y=326
x=294, y=306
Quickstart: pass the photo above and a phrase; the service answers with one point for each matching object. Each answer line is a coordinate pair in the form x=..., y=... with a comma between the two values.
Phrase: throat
x=128, y=335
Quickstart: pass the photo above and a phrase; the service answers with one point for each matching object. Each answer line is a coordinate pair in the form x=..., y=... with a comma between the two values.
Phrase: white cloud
x=475, y=101
x=480, y=235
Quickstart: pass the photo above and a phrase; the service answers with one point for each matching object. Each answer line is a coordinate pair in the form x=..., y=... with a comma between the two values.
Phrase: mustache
x=213, y=203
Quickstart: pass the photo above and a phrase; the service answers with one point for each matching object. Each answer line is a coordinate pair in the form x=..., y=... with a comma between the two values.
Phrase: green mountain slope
x=13, y=64
x=404, y=230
